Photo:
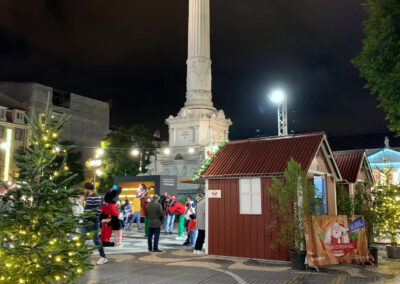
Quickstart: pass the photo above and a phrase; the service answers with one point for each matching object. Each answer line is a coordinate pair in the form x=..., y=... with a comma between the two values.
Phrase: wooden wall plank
x=235, y=212
x=221, y=218
x=228, y=214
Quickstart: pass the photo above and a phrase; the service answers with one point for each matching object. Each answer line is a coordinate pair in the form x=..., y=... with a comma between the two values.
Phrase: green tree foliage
x=295, y=198
x=118, y=160
x=363, y=205
x=387, y=207
x=40, y=242
x=344, y=202
x=379, y=59
x=73, y=164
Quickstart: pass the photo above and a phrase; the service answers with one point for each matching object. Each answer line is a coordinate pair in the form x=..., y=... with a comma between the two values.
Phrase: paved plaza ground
x=176, y=264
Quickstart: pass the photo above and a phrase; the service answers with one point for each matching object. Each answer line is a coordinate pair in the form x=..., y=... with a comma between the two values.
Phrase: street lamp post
x=95, y=164
x=279, y=97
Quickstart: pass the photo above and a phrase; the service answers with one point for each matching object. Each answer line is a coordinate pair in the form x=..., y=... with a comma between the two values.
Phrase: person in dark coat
x=155, y=217
x=201, y=224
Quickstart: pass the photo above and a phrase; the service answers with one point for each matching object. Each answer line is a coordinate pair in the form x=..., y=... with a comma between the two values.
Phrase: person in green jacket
x=155, y=217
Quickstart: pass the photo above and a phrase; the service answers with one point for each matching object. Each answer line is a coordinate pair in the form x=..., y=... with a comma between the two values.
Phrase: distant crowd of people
x=159, y=213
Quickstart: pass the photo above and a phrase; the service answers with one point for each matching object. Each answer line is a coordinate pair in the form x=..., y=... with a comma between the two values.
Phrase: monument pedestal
x=198, y=124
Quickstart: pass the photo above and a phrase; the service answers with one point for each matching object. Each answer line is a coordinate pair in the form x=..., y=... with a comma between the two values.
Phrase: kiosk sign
x=335, y=240
x=214, y=193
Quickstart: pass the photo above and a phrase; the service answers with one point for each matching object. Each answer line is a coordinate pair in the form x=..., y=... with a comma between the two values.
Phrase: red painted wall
x=233, y=234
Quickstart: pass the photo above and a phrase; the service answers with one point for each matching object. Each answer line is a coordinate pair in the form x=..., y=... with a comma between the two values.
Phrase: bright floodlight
x=135, y=152
x=167, y=151
x=278, y=96
x=100, y=152
x=191, y=150
x=3, y=145
x=99, y=172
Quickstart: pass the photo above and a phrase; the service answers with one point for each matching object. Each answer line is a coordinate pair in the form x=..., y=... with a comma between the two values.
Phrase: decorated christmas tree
x=40, y=238
x=387, y=207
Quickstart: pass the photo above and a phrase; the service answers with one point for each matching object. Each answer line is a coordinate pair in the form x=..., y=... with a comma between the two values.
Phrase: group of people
x=160, y=212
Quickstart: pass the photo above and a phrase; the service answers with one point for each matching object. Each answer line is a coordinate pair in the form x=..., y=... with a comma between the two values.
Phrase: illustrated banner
x=335, y=240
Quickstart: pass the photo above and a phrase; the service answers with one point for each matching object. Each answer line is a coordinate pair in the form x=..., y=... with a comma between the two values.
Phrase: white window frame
x=250, y=197
x=20, y=115
x=3, y=117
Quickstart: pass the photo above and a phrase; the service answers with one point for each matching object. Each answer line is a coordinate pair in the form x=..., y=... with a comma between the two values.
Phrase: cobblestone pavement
x=133, y=264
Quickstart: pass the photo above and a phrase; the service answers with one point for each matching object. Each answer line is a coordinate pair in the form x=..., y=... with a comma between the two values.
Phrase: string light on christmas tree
x=31, y=256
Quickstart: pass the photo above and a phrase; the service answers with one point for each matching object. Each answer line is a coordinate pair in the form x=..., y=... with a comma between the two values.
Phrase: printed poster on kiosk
x=336, y=240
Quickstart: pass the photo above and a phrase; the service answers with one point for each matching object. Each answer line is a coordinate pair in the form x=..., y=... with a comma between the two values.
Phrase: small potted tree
x=295, y=200
x=363, y=205
x=344, y=202
x=387, y=208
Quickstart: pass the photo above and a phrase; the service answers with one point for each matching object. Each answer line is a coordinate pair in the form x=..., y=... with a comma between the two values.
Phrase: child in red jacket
x=178, y=209
x=192, y=229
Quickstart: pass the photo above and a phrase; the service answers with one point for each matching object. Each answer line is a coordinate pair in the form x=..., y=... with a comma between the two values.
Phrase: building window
x=2, y=114
x=20, y=116
x=250, y=196
x=19, y=134
x=61, y=98
x=320, y=207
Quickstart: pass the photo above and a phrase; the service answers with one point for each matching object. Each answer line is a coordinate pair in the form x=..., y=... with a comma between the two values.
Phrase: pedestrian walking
x=155, y=216
x=94, y=202
x=201, y=224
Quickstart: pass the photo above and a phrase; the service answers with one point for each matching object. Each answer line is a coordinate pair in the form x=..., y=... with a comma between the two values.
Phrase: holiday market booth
x=239, y=205
x=354, y=168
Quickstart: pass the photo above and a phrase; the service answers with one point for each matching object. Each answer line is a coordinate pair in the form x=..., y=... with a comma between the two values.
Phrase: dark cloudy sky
x=134, y=52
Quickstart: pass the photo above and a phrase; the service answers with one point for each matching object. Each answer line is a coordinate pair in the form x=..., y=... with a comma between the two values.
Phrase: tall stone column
x=198, y=89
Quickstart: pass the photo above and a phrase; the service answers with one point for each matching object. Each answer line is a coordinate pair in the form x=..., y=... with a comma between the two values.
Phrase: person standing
x=136, y=214
x=201, y=224
x=189, y=211
x=94, y=202
x=169, y=224
x=163, y=201
x=155, y=216
x=178, y=208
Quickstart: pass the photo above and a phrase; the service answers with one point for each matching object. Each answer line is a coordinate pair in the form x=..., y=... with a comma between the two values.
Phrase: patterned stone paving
x=131, y=263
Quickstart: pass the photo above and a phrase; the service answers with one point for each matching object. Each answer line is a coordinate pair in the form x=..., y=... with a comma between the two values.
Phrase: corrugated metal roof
x=264, y=156
x=350, y=163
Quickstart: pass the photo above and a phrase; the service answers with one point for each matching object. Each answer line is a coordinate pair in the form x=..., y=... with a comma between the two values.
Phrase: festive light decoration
x=8, y=154
x=207, y=162
x=387, y=207
x=36, y=230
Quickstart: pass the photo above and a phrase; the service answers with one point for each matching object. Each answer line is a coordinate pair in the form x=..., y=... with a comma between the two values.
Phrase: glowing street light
x=135, y=152
x=99, y=172
x=191, y=150
x=4, y=145
x=100, y=152
x=95, y=163
x=279, y=98
x=167, y=151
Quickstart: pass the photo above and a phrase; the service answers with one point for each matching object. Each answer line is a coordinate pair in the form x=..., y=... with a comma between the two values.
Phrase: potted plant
x=387, y=208
x=363, y=205
x=344, y=202
x=295, y=198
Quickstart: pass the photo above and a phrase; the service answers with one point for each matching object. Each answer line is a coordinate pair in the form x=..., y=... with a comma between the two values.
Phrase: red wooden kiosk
x=238, y=204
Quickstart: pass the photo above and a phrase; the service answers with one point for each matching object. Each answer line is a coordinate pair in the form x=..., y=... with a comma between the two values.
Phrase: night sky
x=134, y=52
